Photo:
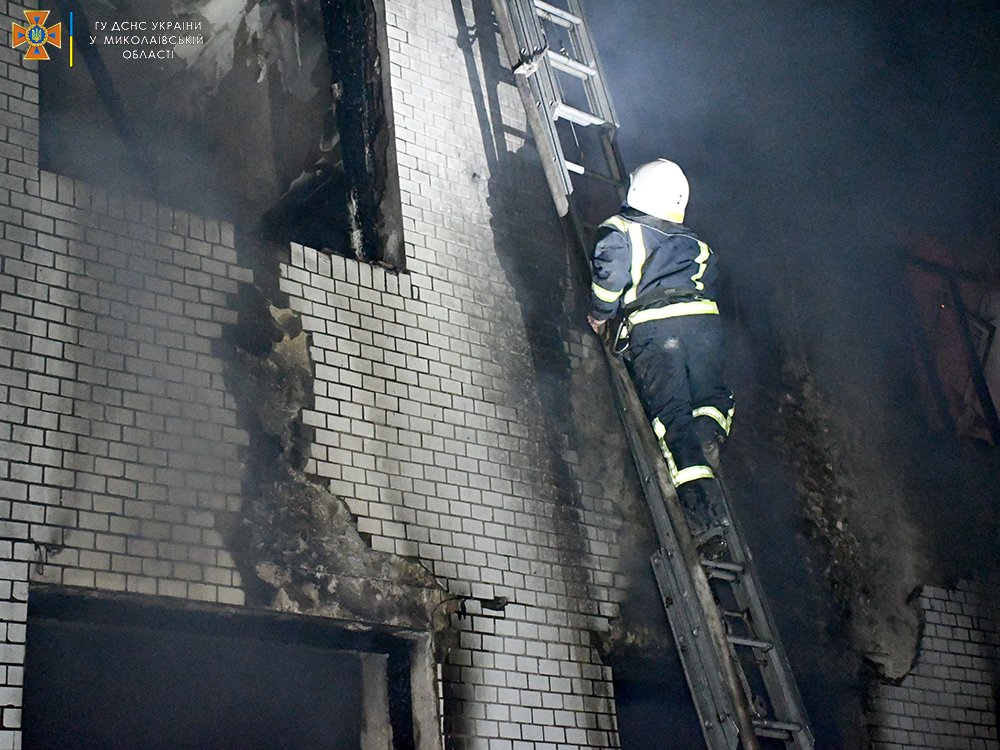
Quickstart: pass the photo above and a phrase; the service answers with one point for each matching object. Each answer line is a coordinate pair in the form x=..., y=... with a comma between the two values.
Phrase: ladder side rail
x=544, y=81
x=529, y=33
x=586, y=51
x=598, y=97
x=688, y=622
x=613, y=158
x=539, y=120
x=783, y=693
x=750, y=596
x=697, y=655
x=668, y=516
x=587, y=68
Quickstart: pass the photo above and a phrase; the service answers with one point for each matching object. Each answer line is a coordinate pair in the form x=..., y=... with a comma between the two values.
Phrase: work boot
x=711, y=543
x=704, y=516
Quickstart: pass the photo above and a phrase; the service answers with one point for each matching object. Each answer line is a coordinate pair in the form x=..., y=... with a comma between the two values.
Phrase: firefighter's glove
x=600, y=326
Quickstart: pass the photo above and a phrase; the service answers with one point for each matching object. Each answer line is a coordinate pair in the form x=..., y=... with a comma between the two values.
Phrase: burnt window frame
x=111, y=610
x=362, y=101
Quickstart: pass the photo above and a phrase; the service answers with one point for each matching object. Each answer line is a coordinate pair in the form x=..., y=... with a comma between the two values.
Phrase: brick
x=155, y=384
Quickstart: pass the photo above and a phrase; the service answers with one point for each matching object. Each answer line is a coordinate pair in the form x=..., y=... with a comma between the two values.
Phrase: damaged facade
x=297, y=335
x=201, y=409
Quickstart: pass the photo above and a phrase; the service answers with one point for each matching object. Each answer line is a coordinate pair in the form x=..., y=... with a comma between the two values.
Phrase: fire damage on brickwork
x=296, y=543
x=548, y=306
x=881, y=507
x=871, y=590
x=277, y=118
x=280, y=118
x=279, y=123
x=892, y=503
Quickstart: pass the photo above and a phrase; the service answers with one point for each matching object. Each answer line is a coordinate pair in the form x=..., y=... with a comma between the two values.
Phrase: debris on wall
x=866, y=580
x=296, y=543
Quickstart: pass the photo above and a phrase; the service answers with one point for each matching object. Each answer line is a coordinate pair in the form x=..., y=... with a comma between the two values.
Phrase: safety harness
x=658, y=304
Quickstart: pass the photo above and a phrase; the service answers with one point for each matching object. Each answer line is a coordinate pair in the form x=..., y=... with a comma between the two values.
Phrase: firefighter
x=661, y=279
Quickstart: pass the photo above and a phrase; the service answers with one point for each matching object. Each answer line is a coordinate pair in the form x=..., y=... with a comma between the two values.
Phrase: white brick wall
x=125, y=437
x=948, y=700
x=118, y=440
x=426, y=422
x=447, y=471
x=18, y=178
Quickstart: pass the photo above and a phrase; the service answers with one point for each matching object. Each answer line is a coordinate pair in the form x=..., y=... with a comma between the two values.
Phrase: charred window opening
x=275, y=116
x=115, y=671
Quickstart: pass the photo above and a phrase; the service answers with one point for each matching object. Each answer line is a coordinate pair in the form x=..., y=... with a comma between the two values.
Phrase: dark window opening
x=278, y=120
x=957, y=312
x=107, y=672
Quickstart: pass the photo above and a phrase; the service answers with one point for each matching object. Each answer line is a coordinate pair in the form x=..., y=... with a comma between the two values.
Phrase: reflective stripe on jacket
x=636, y=254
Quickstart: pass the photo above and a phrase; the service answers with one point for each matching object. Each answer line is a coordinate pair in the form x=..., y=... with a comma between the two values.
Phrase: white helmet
x=659, y=188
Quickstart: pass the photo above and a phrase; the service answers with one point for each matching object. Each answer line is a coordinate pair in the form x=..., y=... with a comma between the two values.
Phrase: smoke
x=819, y=141
x=221, y=127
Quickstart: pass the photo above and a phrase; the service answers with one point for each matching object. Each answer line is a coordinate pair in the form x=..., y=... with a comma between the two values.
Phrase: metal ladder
x=569, y=110
x=735, y=666
x=775, y=702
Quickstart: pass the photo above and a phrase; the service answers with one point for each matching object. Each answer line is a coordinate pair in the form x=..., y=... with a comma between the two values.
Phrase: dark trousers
x=677, y=365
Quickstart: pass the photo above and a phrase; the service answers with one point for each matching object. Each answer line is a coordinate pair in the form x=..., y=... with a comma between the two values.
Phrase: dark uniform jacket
x=644, y=262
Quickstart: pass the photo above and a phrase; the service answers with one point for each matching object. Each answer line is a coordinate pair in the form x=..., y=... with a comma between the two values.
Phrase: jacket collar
x=661, y=225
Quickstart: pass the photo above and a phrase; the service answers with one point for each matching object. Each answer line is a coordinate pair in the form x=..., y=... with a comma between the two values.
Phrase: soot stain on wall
x=296, y=543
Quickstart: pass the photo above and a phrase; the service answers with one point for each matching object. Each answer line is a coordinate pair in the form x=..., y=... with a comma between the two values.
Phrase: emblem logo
x=36, y=35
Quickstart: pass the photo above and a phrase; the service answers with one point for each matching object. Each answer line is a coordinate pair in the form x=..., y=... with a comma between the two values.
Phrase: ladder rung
x=722, y=565
x=738, y=640
x=723, y=575
x=571, y=66
x=774, y=734
x=594, y=175
x=578, y=116
x=722, y=571
x=557, y=15
x=780, y=730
